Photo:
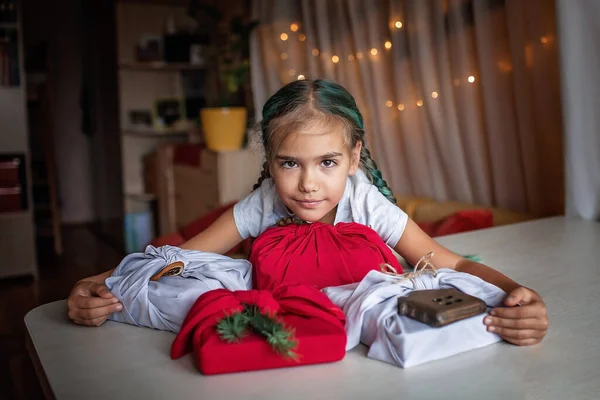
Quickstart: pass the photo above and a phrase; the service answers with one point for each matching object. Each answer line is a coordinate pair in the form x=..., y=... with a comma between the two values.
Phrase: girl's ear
x=355, y=158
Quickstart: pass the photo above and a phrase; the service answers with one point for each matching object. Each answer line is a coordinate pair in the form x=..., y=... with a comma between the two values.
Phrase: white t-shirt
x=361, y=202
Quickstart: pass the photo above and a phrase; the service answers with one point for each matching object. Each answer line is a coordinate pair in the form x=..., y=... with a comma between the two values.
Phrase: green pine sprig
x=233, y=328
x=280, y=338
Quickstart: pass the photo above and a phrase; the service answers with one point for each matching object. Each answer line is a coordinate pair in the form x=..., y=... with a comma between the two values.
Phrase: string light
x=544, y=40
x=504, y=66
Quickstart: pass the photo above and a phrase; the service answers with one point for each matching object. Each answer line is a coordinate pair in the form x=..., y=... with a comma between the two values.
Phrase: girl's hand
x=90, y=303
x=524, y=325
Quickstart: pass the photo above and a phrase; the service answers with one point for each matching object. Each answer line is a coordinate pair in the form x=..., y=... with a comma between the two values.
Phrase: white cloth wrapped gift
x=163, y=304
x=371, y=308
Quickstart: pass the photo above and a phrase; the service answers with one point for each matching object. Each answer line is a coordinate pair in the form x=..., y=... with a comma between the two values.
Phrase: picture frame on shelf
x=141, y=120
x=168, y=111
x=150, y=48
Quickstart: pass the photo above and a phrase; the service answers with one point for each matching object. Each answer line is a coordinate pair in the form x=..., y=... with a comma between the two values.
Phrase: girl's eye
x=289, y=164
x=328, y=163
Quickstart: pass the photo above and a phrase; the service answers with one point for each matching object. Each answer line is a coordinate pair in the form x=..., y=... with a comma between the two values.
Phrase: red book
x=318, y=327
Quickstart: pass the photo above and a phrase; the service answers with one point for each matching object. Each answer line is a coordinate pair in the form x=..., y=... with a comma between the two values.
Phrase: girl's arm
x=220, y=237
x=415, y=243
x=519, y=325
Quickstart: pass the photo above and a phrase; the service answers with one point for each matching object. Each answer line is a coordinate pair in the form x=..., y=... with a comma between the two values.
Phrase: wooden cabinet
x=187, y=191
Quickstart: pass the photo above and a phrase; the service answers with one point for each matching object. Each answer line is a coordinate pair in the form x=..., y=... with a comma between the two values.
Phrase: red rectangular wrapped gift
x=306, y=328
x=318, y=342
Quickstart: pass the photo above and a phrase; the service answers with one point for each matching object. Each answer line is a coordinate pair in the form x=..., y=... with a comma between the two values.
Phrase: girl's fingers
x=94, y=302
x=102, y=291
x=90, y=322
x=535, y=310
x=520, y=295
x=526, y=323
x=517, y=334
x=94, y=313
x=523, y=342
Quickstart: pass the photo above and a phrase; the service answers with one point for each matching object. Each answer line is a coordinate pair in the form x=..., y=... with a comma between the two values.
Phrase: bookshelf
x=17, y=238
x=141, y=84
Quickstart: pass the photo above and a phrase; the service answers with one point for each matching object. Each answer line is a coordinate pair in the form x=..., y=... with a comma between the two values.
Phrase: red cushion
x=172, y=239
x=318, y=327
x=460, y=221
x=317, y=254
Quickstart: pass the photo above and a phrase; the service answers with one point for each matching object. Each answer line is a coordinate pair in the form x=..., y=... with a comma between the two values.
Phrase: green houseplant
x=224, y=122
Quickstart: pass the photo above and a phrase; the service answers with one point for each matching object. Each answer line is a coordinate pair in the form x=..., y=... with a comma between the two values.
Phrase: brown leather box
x=440, y=307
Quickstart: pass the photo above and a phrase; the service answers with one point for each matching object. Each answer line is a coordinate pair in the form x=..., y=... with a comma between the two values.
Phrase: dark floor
x=84, y=255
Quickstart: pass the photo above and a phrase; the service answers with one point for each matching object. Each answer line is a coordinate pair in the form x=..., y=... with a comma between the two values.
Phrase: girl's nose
x=307, y=183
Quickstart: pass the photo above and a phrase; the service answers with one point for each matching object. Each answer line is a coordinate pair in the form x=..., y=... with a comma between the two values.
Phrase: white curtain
x=460, y=97
x=580, y=64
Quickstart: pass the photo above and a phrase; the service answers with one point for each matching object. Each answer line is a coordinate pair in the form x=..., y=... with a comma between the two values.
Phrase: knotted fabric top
x=318, y=254
x=299, y=300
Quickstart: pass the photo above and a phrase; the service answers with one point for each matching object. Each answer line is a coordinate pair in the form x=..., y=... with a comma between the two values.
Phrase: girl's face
x=310, y=171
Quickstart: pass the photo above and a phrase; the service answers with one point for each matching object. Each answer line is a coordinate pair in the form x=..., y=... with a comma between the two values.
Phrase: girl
x=318, y=168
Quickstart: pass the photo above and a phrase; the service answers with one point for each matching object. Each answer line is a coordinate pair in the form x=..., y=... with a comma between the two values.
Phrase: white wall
x=578, y=32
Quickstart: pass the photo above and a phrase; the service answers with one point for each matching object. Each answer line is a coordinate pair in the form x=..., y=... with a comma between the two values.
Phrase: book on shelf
x=9, y=57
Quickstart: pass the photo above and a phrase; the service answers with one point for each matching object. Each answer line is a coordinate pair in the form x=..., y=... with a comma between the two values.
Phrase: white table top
x=558, y=257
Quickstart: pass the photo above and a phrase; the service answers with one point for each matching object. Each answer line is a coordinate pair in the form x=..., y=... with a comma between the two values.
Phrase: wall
x=58, y=22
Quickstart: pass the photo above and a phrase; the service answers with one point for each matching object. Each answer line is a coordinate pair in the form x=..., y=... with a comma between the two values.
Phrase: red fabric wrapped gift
x=318, y=254
x=318, y=326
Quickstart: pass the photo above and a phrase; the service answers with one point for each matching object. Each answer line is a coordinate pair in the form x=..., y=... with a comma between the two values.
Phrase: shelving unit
x=178, y=191
x=17, y=242
x=140, y=85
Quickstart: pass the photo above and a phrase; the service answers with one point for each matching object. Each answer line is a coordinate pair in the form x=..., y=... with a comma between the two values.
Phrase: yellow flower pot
x=224, y=127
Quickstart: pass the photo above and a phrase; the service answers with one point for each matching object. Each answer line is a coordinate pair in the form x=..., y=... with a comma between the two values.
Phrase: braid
x=263, y=175
x=375, y=175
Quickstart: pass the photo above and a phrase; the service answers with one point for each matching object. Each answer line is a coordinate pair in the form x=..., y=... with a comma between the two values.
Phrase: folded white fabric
x=371, y=308
x=163, y=304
